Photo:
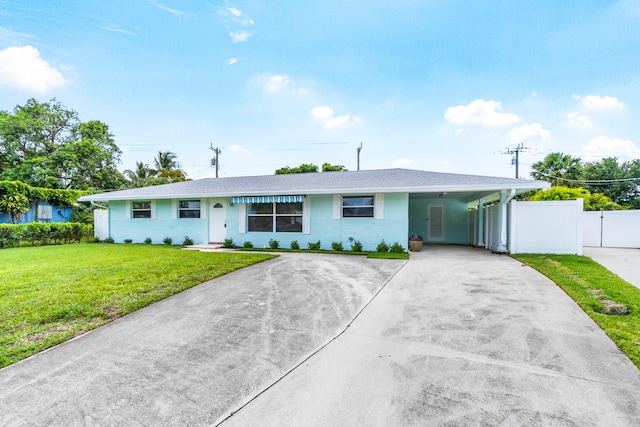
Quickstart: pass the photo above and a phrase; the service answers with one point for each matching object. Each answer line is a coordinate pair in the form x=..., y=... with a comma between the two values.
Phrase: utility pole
x=359, y=148
x=515, y=160
x=215, y=160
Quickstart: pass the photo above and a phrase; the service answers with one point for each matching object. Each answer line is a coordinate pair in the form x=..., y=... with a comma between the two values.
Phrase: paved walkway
x=460, y=337
x=621, y=261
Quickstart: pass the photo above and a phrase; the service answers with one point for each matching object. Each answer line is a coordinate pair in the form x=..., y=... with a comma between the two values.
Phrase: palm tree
x=141, y=176
x=166, y=166
x=558, y=169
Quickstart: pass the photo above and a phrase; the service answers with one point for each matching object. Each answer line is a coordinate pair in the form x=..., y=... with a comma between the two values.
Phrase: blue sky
x=431, y=85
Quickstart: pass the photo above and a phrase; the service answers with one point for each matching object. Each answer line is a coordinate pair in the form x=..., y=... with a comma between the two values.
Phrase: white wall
x=101, y=223
x=546, y=227
x=492, y=227
x=613, y=229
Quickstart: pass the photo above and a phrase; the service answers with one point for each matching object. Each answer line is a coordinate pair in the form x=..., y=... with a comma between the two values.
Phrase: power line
x=589, y=181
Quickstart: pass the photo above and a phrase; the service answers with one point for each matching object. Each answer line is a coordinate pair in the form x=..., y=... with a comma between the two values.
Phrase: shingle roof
x=346, y=182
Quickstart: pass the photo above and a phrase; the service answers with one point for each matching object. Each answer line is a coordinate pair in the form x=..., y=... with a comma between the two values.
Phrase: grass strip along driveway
x=610, y=301
x=53, y=293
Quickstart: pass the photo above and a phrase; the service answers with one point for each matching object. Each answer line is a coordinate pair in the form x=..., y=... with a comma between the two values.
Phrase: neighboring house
x=41, y=212
x=366, y=206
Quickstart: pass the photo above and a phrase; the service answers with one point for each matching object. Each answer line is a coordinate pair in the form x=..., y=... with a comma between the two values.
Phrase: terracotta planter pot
x=415, y=244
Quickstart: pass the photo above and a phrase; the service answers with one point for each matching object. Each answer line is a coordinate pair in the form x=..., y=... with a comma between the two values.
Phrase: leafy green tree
x=15, y=205
x=303, y=168
x=617, y=183
x=592, y=202
x=327, y=167
x=46, y=145
x=557, y=168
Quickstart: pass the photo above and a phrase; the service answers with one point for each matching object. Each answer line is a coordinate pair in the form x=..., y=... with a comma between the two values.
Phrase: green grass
x=52, y=293
x=576, y=275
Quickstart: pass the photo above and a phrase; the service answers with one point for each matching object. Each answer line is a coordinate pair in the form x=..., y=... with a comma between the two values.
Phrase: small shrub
x=294, y=245
x=147, y=241
x=95, y=240
x=109, y=240
x=128, y=241
x=167, y=241
x=228, y=243
x=314, y=246
x=396, y=248
x=274, y=244
x=247, y=245
x=188, y=241
x=382, y=247
x=356, y=246
x=337, y=246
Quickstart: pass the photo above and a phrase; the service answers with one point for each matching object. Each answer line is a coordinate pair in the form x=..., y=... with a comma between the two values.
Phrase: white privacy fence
x=546, y=227
x=101, y=223
x=613, y=229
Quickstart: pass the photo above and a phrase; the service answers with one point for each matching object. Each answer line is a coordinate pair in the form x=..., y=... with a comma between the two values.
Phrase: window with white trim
x=141, y=209
x=278, y=217
x=357, y=206
x=189, y=209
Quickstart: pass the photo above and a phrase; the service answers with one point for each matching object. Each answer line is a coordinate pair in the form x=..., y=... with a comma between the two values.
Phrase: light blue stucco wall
x=393, y=227
x=456, y=219
x=58, y=214
x=138, y=229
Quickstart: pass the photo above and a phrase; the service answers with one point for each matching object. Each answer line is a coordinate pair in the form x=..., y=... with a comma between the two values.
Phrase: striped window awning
x=267, y=199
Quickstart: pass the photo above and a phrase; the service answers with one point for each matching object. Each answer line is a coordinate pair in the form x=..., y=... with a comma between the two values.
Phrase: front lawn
x=597, y=291
x=52, y=293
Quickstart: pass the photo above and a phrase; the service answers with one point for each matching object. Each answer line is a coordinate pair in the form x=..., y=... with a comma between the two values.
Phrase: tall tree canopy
x=607, y=180
x=557, y=168
x=167, y=170
x=306, y=168
x=46, y=145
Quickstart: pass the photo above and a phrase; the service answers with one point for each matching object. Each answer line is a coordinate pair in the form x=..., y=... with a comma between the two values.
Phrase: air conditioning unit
x=45, y=212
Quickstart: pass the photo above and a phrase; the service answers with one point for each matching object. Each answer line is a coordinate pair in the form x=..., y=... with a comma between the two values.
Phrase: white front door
x=217, y=221
x=435, y=223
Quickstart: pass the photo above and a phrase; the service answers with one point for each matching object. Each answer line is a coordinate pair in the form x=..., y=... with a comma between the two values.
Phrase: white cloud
x=232, y=61
x=167, y=9
x=13, y=37
x=578, y=121
x=480, y=112
x=595, y=102
x=276, y=83
x=233, y=15
x=237, y=149
x=325, y=115
x=119, y=30
x=603, y=146
x=22, y=68
x=404, y=163
x=534, y=131
x=240, y=36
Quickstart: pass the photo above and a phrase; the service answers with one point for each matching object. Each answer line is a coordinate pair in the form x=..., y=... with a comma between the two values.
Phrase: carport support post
x=480, y=224
x=505, y=198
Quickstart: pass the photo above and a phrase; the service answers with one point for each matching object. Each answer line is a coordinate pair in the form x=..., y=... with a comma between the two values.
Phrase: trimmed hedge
x=43, y=233
x=57, y=197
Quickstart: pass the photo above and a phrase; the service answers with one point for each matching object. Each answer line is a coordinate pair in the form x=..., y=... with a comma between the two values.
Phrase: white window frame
x=372, y=206
x=190, y=209
x=134, y=209
x=274, y=216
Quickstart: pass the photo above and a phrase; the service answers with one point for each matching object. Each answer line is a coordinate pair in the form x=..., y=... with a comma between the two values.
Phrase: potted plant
x=415, y=242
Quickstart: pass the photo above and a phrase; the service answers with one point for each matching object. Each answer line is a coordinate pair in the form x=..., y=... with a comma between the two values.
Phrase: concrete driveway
x=192, y=357
x=460, y=337
x=623, y=262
